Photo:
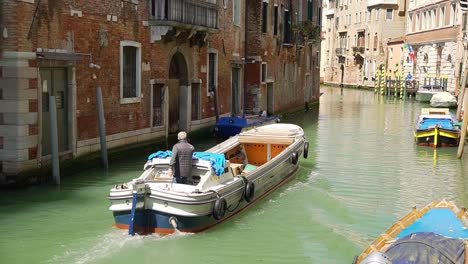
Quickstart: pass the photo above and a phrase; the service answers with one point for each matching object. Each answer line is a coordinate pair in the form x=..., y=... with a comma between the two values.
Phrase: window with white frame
x=410, y=24
x=424, y=21
x=236, y=6
x=377, y=13
x=442, y=17
x=418, y=22
x=130, y=71
x=264, y=72
x=433, y=18
x=264, y=16
x=389, y=15
x=212, y=73
x=453, y=17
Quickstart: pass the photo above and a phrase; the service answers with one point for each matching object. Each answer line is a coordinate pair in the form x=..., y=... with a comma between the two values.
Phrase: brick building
x=162, y=65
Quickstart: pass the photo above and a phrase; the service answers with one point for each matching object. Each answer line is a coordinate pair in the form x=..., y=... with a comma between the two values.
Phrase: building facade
x=355, y=34
x=435, y=34
x=162, y=66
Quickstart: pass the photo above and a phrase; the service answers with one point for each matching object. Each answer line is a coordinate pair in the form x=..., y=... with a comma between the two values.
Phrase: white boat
x=444, y=100
x=227, y=178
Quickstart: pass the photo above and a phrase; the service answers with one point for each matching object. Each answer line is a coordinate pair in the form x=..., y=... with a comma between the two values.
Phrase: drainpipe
x=245, y=57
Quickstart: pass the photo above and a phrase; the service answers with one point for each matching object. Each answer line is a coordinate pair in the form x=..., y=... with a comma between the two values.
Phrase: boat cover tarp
x=427, y=247
x=442, y=221
x=217, y=160
x=443, y=99
x=432, y=122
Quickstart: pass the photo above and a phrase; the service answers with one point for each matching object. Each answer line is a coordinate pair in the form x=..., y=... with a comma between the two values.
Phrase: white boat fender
x=294, y=158
x=306, y=150
x=173, y=221
x=219, y=208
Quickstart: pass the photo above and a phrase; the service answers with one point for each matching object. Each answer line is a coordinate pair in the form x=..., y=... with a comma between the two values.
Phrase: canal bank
x=68, y=165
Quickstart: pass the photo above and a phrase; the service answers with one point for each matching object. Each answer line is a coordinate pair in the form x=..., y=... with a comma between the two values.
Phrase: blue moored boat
x=230, y=126
x=436, y=128
x=438, y=233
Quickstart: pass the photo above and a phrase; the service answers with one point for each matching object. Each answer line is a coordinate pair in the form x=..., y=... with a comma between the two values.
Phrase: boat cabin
x=242, y=156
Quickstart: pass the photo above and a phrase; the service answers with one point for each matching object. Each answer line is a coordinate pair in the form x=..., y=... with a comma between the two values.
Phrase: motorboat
x=226, y=179
x=229, y=126
x=425, y=92
x=444, y=100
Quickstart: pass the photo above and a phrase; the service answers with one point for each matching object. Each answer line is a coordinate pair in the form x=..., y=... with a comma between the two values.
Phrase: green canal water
x=363, y=173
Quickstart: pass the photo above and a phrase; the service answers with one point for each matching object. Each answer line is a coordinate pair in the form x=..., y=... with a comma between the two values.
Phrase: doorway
x=54, y=83
x=236, y=93
x=270, y=98
x=179, y=103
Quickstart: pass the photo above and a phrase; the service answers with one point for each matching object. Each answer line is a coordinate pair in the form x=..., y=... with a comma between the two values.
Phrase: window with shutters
x=236, y=10
x=275, y=20
x=130, y=71
x=212, y=71
x=389, y=15
x=265, y=17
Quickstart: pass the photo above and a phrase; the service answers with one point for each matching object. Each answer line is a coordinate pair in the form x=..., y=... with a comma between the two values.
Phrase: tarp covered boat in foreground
x=438, y=233
x=227, y=178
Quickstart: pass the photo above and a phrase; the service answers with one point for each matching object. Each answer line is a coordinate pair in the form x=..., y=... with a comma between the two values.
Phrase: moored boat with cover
x=438, y=233
x=227, y=127
x=225, y=179
x=436, y=128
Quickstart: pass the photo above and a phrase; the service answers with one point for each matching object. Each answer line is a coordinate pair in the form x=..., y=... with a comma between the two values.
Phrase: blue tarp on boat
x=441, y=221
x=432, y=122
x=217, y=160
x=427, y=247
x=160, y=154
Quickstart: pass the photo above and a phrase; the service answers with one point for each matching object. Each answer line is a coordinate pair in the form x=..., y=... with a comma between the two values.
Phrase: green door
x=54, y=83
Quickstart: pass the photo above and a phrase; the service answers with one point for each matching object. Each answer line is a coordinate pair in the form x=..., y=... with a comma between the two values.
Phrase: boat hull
x=148, y=221
x=424, y=96
x=437, y=137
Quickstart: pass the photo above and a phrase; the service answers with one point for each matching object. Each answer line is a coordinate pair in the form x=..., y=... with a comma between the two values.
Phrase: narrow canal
x=363, y=173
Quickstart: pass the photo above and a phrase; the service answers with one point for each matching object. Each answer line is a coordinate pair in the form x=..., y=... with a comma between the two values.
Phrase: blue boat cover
x=432, y=122
x=160, y=154
x=427, y=247
x=217, y=160
x=441, y=221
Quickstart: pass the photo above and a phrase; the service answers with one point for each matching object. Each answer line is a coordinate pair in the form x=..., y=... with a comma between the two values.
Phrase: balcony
x=340, y=51
x=372, y=3
x=201, y=15
x=358, y=49
x=330, y=12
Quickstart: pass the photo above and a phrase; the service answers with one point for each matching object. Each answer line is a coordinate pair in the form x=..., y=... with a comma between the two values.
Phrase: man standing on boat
x=181, y=160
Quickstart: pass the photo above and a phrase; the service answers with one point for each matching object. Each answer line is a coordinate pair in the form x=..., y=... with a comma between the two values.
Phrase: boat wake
x=108, y=245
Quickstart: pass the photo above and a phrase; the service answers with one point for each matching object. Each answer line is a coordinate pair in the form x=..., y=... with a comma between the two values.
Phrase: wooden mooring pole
x=462, y=97
x=461, y=144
